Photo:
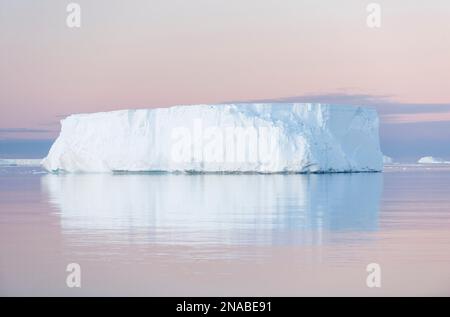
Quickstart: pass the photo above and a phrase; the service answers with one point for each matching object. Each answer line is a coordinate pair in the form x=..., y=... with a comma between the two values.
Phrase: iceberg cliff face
x=265, y=138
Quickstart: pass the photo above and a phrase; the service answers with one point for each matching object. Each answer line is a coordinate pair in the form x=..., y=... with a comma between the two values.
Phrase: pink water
x=225, y=235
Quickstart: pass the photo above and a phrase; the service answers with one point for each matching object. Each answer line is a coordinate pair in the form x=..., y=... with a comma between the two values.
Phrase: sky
x=144, y=54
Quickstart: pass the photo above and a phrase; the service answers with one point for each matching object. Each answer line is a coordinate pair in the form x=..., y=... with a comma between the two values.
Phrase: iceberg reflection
x=218, y=209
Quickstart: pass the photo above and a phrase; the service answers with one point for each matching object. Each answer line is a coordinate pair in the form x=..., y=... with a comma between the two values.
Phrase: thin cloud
x=391, y=112
x=416, y=117
x=334, y=98
x=23, y=130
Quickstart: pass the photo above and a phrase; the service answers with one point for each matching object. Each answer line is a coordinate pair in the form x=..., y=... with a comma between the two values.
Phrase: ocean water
x=225, y=235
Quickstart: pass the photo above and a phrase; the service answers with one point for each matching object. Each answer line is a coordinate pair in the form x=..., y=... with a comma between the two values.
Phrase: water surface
x=225, y=235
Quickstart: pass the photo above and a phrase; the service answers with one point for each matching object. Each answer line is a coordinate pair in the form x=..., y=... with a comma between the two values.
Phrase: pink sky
x=167, y=52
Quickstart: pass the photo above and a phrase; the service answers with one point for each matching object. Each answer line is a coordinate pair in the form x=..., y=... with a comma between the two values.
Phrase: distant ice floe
x=432, y=160
x=20, y=162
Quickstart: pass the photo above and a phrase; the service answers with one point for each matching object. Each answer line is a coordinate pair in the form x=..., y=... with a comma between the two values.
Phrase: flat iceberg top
x=250, y=137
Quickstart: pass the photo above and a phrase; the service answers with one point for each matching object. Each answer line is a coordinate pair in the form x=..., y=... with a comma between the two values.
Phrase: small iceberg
x=432, y=160
x=387, y=160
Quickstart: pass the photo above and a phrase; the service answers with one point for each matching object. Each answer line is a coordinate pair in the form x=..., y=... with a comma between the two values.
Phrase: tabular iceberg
x=252, y=137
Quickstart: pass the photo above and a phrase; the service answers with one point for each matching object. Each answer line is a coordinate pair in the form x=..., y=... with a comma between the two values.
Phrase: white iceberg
x=432, y=160
x=262, y=138
x=387, y=160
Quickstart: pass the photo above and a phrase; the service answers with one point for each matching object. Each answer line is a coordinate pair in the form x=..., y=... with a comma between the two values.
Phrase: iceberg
x=432, y=160
x=224, y=138
x=387, y=160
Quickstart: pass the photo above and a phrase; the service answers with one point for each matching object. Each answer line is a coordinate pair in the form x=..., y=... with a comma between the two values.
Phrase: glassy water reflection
x=215, y=209
x=225, y=235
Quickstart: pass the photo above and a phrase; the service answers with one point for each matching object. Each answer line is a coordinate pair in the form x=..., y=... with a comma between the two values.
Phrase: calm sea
x=226, y=235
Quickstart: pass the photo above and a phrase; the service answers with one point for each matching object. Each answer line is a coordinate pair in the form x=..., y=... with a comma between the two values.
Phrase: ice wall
x=263, y=138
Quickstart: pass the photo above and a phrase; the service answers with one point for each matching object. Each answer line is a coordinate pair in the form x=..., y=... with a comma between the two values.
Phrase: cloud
x=416, y=117
x=334, y=98
x=391, y=112
x=407, y=130
x=24, y=130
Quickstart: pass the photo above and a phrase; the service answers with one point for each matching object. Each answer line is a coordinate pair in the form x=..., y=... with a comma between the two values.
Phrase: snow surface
x=432, y=160
x=20, y=162
x=264, y=138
